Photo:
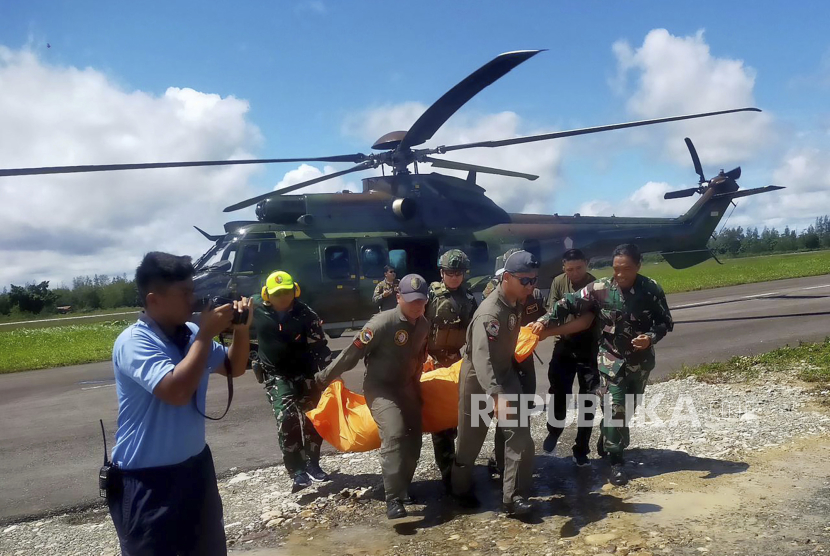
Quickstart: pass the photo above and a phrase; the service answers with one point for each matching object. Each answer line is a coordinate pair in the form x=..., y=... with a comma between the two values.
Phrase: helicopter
x=337, y=244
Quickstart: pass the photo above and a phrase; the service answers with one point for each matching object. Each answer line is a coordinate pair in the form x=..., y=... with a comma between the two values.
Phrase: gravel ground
x=733, y=422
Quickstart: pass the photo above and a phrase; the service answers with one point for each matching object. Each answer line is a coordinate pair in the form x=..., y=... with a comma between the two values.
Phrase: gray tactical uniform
x=394, y=352
x=488, y=368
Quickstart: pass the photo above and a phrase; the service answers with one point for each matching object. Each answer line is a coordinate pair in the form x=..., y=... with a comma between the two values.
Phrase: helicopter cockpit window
x=338, y=266
x=479, y=253
x=218, y=254
x=259, y=258
x=372, y=261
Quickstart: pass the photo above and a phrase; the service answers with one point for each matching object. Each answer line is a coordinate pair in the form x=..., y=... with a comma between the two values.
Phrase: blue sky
x=313, y=73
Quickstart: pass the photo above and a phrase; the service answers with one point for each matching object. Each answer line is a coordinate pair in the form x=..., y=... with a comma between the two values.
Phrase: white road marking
x=756, y=296
x=96, y=387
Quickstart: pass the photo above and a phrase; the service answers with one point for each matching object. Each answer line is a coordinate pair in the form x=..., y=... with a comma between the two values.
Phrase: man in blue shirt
x=164, y=498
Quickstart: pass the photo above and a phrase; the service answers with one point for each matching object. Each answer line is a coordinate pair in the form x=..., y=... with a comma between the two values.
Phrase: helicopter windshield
x=221, y=251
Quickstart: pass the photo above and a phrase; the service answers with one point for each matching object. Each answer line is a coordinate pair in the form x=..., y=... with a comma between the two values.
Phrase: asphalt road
x=50, y=439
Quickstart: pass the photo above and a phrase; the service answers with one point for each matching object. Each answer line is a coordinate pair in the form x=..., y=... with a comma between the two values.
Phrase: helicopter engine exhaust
x=404, y=208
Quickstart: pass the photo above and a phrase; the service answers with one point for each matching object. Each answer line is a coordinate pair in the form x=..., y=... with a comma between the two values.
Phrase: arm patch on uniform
x=532, y=308
x=492, y=328
x=364, y=337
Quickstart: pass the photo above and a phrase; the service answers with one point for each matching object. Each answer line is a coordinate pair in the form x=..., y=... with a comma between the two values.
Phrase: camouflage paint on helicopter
x=338, y=243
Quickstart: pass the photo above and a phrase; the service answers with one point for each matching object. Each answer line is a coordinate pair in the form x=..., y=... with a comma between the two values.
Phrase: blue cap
x=413, y=287
x=520, y=262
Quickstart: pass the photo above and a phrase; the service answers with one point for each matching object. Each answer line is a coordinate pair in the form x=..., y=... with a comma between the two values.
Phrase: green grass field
x=734, y=272
x=43, y=348
x=8, y=319
x=811, y=360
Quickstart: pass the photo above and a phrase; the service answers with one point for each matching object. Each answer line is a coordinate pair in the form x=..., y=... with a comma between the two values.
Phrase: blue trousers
x=172, y=510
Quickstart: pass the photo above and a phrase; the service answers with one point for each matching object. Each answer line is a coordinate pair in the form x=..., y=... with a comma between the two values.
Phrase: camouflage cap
x=454, y=259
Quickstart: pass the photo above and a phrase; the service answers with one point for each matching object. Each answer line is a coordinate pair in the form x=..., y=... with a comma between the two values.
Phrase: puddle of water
x=677, y=508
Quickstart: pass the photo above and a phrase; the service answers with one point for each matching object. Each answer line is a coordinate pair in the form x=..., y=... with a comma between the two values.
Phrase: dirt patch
x=774, y=502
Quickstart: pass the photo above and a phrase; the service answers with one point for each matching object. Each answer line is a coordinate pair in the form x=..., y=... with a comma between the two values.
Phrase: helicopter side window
x=479, y=253
x=372, y=261
x=397, y=259
x=338, y=266
x=533, y=246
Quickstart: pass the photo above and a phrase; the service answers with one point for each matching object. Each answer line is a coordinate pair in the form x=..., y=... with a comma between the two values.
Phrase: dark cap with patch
x=413, y=287
x=520, y=262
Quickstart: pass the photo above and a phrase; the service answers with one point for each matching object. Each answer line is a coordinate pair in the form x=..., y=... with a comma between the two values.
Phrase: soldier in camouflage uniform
x=292, y=347
x=449, y=312
x=633, y=315
x=533, y=307
x=384, y=296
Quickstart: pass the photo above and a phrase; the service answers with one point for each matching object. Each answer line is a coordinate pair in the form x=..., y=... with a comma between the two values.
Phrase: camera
x=218, y=301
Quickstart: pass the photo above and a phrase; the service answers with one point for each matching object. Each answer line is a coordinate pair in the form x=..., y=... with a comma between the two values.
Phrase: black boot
x=517, y=507
x=618, y=476
x=395, y=509
x=601, y=446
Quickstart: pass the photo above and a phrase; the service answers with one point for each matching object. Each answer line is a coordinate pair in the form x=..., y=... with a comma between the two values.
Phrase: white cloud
x=59, y=226
x=805, y=172
x=679, y=75
x=513, y=194
x=306, y=172
x=645, y=201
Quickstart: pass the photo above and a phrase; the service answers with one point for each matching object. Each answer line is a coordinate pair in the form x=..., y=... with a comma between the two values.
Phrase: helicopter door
x=338, y=272
x=419, y=255
x=372, y=257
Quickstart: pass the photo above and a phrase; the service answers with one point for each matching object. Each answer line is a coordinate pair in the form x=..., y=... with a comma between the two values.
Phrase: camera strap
x=229, y=373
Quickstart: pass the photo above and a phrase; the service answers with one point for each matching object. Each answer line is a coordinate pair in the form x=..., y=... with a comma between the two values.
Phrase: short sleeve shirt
x=151, y=432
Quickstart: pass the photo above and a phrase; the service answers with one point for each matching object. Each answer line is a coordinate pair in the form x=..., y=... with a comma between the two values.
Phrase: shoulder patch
x=364, y=337
x=492, y=328
x=532, y=308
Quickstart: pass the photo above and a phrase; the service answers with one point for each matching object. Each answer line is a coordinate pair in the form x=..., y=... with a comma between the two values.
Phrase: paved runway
x=50, y=439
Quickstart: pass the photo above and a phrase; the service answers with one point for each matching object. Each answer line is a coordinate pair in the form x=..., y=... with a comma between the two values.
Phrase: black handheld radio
x=106, y=471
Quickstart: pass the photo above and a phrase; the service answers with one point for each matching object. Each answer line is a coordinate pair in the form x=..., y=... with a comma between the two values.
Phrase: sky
x=98, y=83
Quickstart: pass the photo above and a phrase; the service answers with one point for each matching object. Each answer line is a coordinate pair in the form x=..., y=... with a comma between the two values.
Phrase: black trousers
x=565, y=364
x=171, y=510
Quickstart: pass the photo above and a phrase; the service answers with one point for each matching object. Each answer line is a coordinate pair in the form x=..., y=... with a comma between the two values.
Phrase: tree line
x=738, y=242
x=86, y=294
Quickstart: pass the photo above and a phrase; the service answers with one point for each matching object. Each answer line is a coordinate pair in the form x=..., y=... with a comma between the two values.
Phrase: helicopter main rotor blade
x=109, y=167
x=695, y=159
x=583, y=131
x=450, y=165
x=441, y=110
x=290, y=188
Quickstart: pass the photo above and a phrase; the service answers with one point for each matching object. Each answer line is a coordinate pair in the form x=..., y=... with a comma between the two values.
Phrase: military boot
x=517, y=507
x=395, y=509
